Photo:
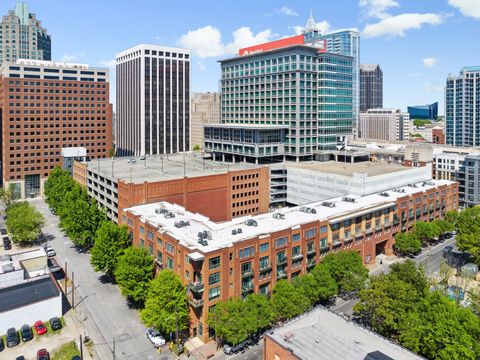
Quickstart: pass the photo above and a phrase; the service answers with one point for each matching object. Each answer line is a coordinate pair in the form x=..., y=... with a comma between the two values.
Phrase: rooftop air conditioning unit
x=239, y=230
x=329, y=204
x=348, y=199
x=234, y=232
x=384, y=194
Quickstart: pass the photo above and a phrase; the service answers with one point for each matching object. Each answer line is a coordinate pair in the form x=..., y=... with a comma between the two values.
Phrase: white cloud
x=201, y=65
x=399, y=24
x=377, y=8
x=107, y=63
x=286, y=11
x=68, y=58
x=469, y=8
x=433, y=88
x=322, y=26
x=207, y=41
x=430, y=61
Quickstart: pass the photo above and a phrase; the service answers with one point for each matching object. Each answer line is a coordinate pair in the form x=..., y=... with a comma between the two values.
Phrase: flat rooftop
x=16, y=259
x=160, y=168
x=220, y=234
x=348, y=169
x=323, y=335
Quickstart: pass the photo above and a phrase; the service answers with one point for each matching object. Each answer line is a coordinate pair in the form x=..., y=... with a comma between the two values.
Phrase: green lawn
x=65, y=352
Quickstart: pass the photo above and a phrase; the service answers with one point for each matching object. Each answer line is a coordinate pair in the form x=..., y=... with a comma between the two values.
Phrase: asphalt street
x=430, y=258
x=101, y=306
x=252, y=353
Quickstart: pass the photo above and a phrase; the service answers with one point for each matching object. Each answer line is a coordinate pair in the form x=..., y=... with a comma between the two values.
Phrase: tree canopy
x=24, y=222
x=166, y=305
x=110, y=242
x=288, y=301
x=133, y=273
x=468, y=232
x=407, y=244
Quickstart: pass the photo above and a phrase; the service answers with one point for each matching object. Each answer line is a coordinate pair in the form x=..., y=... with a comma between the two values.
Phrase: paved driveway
x=101, y=306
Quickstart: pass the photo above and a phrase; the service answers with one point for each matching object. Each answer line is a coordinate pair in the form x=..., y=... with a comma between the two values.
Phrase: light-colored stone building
x=384, y=124
x=205, y=110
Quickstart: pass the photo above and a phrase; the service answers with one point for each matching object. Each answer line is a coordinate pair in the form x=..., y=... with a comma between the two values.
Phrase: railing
x=197, y=286
x=247, y=287
x=297, y=257
x=247, y=273
x=311, y=251
x=281, y=275
x=265, y=268
x=282, y=261
x=196, y=303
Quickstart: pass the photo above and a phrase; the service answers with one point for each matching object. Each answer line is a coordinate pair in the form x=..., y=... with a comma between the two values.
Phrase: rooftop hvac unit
x=400, y=190
x=348, y=199
x=329, y=204
x=204, y=242
x=239, y=230
x=234, y=232
x=384, y=194
x=181, y=223
x=413, y=185
x=428, y=182
x=279, y=216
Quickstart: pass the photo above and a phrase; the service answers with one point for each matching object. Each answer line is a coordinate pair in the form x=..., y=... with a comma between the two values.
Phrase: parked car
x=155, y=337
x=7, y=246
x=55, y=323
x=26, y=332
x=40, y=327
x=446, y=250
x=12, y=337
x=2, y=344
x=229, y=349
x=43, y=354
x=76, y=357
x=3, y=231
x=21, y=357
x=50, y=251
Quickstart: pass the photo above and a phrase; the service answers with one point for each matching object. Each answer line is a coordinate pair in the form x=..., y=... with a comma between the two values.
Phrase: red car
x=43, y=354
x=40, y=327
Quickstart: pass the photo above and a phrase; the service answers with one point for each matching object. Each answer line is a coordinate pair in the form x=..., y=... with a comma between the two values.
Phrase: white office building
x=384, y=124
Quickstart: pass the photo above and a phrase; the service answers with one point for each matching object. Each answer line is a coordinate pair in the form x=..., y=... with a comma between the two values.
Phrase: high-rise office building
x=205, y=110
x=426, y=112
x=343, y=42
x=153, y=100
x=384, y=124
x=371, y=87
x=45, y=107
x=282, y=99
x=23, y=37
x=462, y=113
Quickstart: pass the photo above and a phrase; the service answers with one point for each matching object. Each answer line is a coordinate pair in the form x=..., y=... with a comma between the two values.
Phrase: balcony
x=337, y=244
x=311, y=251
x=297, y=257
x=195, y=303
x=197, y=287
x=281, y=275
x=369, y=231
x=247, y=273
x=348, y=240
x=247, y=287
x=265, y=268
x=282, y=261
x=311, y=263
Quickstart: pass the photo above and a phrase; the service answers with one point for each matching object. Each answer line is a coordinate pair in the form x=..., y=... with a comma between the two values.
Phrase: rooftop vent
x=348, y=199
x=308, y=210
x=204, y=235
x=400, y=190
x=251, y=222
x=384, y=194
x=5, y=257
x=160, y=210
x=181, y=223
x=428, y=182
x=168, y=215
x=329, y=204
x=8, y=268
x=278, y=216
x=413, y=185
x=236, y=231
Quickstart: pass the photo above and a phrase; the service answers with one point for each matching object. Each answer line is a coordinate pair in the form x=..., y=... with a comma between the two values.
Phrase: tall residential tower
x=23, y=37
x=153, y=101
x=462, y=110
x=371, y=87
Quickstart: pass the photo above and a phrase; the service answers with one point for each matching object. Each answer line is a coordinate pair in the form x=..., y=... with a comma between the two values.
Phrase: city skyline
x=395, y=34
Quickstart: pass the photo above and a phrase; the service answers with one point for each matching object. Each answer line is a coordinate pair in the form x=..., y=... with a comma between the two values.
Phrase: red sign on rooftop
x=277, y=44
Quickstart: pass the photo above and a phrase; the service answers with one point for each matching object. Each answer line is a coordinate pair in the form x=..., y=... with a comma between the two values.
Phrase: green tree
x=474, y=297
x=259, y=312
x=196, y=147
x=423, y=231
x=412, y=274
x=7, y=195
x=468, y=232
x=440, y=329
x=451, y=217
x=288, y=301
x=166, y=305
x=59, y=182
x=110, y=242
x=347, y=269
x=133, y=273
x=24, y=223
x=442, y=227
x=230, y=321
x=407, y=244
x=326, y=286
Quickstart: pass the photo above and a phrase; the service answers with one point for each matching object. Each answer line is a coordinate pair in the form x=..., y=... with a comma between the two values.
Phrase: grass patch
x=65, y=352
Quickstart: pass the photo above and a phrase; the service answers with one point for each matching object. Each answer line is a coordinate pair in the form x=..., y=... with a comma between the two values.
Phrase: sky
x=416, y=42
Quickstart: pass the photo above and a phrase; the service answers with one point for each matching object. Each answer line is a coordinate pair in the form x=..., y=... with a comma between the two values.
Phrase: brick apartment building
x=46, y=106
x=218, y=191
x=218, y=261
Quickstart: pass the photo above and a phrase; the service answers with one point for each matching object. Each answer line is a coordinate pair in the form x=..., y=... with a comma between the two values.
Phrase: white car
x=155, y=337
x=50, y=251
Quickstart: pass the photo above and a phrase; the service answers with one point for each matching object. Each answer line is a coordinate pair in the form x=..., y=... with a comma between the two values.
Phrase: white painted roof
x=220, y=234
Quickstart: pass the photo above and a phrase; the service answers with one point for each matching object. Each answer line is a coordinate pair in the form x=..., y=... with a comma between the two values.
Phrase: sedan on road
x=40, y=327
x=55, y=323
x=50, y=251
x=155, y=337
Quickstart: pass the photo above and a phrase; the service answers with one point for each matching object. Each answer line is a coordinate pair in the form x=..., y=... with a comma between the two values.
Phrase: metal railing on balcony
x=297, y=257
x=265, y=268
x=281, y=275
x=247, y=273
x=195, y=303
x=282, y=261
x=197, y=286
x=247, y=287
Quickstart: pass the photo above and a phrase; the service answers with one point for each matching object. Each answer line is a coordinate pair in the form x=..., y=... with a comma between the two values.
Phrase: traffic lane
x=254, y=352
x=107, y=310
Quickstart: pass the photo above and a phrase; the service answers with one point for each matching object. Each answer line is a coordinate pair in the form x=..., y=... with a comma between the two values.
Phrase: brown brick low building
x=46, y=106
x=219, y=191
x=231, y=259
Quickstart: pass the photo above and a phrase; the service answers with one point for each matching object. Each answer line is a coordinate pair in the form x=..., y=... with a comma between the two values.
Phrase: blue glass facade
x=427, y=112
x=462, y=108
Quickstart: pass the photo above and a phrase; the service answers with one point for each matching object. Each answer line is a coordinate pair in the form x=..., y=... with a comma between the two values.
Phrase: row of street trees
x=423, y=232
x=235, y=320
x=400, y=306
x=162, y=299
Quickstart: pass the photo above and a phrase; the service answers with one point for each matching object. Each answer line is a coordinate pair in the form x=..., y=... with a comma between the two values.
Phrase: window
x=150, y=249
x=295, y=237
x=169, y=263
x=130, y=222
x=142, y=230
x=159, y=242
x=281, y=241
x=159, y=256
x=310, y=233
x=263, y=262
x=149, y=235
x=246, y=252
x=310, y=246
x=214, y=293
x=214, y=263
x=246, y=267
x=323, y=229
x=263, y=247
x=214, y=278
x=170, y=248
x=323, y=243
x=142, y=243
x=296, y=251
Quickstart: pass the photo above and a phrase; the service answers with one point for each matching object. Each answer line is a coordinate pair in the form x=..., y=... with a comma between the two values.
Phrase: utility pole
x=73, y=290
x=65, y=275
x=81, y=348
x=113, y=349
